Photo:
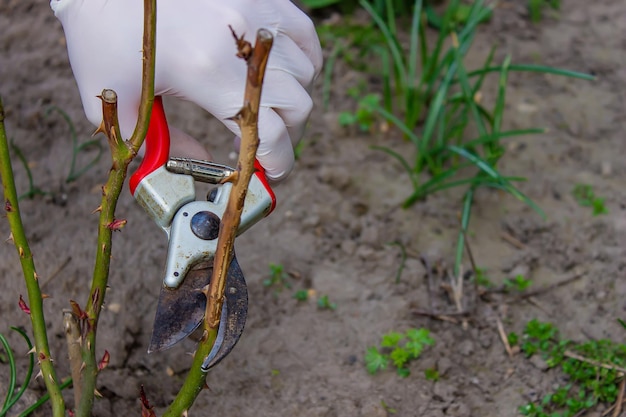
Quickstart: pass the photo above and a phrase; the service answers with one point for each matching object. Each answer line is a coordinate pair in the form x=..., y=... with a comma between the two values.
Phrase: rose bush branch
x=122, y=153
x=35, y=298
x=247, y=118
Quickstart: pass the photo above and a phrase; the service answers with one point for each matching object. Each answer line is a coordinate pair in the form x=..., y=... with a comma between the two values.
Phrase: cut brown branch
x=247, y=119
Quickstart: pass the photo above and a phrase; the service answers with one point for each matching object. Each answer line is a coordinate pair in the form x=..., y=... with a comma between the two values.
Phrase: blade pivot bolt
x=205, y=225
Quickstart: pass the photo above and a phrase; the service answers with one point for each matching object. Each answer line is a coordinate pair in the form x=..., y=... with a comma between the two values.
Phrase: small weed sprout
x=278, y=279
x=482, y=279
x=519, y=283
x=535, y=8
x=593, y=370
x=301, y=295
x=586, y=197
x=323, y=303
x=432, y=374
x=365, y=115
x=399, y=349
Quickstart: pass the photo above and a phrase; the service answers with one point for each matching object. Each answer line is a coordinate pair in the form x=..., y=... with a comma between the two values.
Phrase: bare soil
x=337, y=214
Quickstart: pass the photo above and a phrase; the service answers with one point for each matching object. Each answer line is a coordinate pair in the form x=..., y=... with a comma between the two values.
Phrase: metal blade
x=180, y=311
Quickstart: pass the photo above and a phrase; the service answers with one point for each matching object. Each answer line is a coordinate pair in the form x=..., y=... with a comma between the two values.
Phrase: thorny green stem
x=35, y=300
x=195, y=380
x=122, y=154
x=110, y=194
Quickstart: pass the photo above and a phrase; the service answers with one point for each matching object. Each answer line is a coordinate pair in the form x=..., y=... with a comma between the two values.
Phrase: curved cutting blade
x=180, y=311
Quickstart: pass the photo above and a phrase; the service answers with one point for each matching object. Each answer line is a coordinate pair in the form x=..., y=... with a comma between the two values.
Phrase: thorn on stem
x=77, y=311
x=20, y=250
x=146, y=408
x=10, y=238
x=95, y=297
x=97, y=393
x=100, y=129
x=97, y=210
x=117, y=225
x=104, y=362
x=8, y=207
x=23, y=306
x=244, y=48
x=36, y=278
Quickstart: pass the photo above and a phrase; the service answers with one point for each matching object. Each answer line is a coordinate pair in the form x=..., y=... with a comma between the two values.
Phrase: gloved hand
x=196, y=61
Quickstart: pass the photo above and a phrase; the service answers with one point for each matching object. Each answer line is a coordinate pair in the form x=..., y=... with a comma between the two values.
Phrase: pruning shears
x=165, y=188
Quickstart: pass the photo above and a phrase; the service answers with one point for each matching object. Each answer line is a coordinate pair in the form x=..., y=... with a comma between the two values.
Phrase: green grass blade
x=29, y=372
x=329, y=67
x=400, y=159
x=465, y=181
x=414, y=42
x=391, y=17
x=468, y=91
x=6, y=405
x=32, y=189
x=478, y=13
x=423, y=190
x=498, y=111
x=77, y=147
x=387, y=74
x=398, y=123
x=479, y=83
x=392, y=42
x=504, y=135
x=433, y=114
x=44, y=398
x=476, y=160
x=534, y=68
x=465, y=217
x=434, y=68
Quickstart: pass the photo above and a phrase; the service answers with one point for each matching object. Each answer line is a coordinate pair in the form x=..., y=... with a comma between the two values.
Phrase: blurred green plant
x=482, y=279
x=586, y=197
x=429, y=95
x=278, y=279
x=519, y=283
x=399, y=349
x=324, y=303
x=12, y=396
x=301, y=295
x=432, y=374
x=535, y=8
x=77, y=147
x=593, y=370
x=33, y=190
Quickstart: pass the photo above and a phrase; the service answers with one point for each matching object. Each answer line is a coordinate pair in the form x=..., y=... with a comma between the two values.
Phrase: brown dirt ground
x=337, y=213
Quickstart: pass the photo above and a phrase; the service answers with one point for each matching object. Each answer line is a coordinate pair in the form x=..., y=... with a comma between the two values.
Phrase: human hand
x=196, y=61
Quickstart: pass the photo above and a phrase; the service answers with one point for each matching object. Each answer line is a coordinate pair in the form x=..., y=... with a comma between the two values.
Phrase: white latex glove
x=196, y=61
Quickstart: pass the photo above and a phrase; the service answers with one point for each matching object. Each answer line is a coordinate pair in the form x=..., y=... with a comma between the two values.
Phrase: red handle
x=157, y=145
x=260, y=173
